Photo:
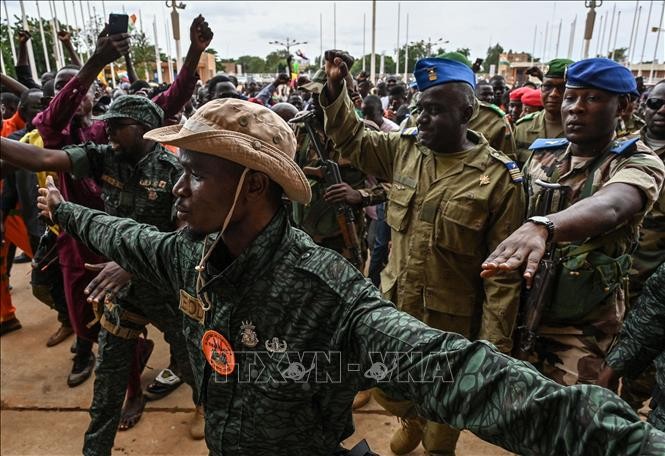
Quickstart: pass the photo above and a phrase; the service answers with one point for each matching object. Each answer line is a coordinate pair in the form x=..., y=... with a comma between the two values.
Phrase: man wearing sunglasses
x=136, y=176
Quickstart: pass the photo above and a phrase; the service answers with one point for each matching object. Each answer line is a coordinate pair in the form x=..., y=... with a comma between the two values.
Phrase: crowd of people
x=516, y=235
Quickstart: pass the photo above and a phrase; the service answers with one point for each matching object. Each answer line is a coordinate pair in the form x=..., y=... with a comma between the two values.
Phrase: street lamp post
x=175, y=24
x=590, y=22
x=288, y=44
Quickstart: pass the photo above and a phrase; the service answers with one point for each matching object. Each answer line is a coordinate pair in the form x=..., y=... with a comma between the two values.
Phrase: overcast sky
x=243, y=28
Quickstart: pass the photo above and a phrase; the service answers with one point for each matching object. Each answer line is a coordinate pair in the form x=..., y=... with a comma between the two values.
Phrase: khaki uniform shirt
x=650, y=252
x=444, y=221
x=491, y=121
x=635, y=165
x=527, y=130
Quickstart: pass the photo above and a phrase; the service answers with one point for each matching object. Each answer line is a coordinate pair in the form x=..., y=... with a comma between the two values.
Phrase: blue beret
x=434, y=71
x=603, y=74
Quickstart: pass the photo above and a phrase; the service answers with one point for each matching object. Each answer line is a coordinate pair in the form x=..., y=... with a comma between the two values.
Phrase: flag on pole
x=132, y=23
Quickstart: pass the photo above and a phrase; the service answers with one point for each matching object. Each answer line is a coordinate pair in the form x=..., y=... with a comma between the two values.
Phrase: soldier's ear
x=622, y=105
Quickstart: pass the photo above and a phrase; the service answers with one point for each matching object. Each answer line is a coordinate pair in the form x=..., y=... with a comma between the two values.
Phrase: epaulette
x=511, y=166
x=525, y=118
x=619, y=147
x=544, y=143
x=411, y=131
x=493, y=107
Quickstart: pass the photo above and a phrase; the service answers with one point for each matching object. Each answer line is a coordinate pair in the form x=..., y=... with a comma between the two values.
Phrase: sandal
x=163, y=385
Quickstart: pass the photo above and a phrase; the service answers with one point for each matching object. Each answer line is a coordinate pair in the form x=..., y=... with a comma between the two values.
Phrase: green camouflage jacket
x=309, y=331
x=642, y=340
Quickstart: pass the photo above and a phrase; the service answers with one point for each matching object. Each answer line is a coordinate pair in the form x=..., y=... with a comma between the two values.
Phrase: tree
x=252, y=64
x=389, y=64
x=276, y=61
x=466, y=52
x=619, y=54
x=493, y=53
x=143, y=55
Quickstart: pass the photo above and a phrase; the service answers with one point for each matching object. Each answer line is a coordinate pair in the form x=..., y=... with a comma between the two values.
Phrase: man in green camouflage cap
x=545, y=123
x=136, y=176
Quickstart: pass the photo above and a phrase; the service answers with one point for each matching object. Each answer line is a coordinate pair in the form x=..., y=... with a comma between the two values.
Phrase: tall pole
x=334, y=25
x=112, y=65
x=655, y=49
x=533, y=48
x=10, y=32
x=84, y=28
x=609, y=37
x=175, y=24
x=397, y=46
x=364, y=33
x=406, y=51
x=321, y=38
x=603, y=24
x=2, y=64
x=158, y=61
x=372, y=63
x=382, y=66
x=64, y=9
x=31, y=54
x=616, y=34
x=558, y=39
x=41, y=33
x=571, y=40
x=646, y=33
x=54, y=31
x=637, y=28
x=547, y=29
x=55, y=38
x=168, y=49
x=632, y=32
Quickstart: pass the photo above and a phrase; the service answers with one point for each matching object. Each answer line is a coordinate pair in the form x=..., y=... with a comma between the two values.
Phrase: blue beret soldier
x=453, y=199
x=589, y=225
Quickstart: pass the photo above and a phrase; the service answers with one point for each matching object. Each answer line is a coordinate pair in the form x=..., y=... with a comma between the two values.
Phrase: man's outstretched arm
x=139, y=249
x=33, y=158
x=470, y=385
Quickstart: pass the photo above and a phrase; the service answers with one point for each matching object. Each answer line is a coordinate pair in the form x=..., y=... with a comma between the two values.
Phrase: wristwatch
x=544, y=221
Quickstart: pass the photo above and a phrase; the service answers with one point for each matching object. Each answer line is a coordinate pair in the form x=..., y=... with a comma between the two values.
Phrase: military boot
x=408, y=436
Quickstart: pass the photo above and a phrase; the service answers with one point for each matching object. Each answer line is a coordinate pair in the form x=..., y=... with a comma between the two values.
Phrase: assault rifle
x=329, y=172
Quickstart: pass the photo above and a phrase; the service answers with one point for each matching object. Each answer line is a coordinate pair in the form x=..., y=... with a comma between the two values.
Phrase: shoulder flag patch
x=544, y=143
x=526, y=118
x=411, y=131
x=511, y=166
x=619, y=147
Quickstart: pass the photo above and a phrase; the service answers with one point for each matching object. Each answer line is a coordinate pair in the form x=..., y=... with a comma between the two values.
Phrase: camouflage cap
x=557, y=67
x=318, y=81
x=137, y=108
x=456, y=56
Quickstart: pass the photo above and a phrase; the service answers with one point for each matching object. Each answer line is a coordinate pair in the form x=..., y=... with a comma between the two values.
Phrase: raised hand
x=110, y=47
x=64, y=36
x=200, y=34
x=24, y=36
x=337, y=69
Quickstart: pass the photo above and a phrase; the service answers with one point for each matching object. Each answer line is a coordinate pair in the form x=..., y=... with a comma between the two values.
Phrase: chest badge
x=218, y=352
x=275, y=345
x=152, y=195
x=249, y=337
x=484, y=179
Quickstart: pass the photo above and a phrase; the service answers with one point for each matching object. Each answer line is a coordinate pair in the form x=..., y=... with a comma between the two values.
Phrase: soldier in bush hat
x=136, y=176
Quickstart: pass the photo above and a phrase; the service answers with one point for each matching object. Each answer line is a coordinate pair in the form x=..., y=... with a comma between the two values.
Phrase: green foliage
x=252, y=64
x=619, y=54
x=389, y=63
x=37, y=48
x=492, y=58
x=143, y=55
x=466, y=52
x=276, y=61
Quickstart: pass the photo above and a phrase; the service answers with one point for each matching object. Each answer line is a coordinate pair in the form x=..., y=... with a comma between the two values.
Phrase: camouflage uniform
x=573, y=353
x=649, y=255
x=319, y=218
x=491, y=121
x=141, y=192
x=529, y=128
x=447, y=212
x=642, y=340
x=304, y=299
x=630, y=127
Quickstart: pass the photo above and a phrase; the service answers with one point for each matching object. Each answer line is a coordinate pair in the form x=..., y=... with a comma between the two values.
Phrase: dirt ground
x=42, y=416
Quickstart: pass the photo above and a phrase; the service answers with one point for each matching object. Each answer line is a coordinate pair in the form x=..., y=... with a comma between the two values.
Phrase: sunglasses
x=655, y=103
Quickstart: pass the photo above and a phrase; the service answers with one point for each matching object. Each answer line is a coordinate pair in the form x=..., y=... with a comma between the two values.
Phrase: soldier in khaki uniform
x=452, y=200
x=610, y=185
x=545, y=123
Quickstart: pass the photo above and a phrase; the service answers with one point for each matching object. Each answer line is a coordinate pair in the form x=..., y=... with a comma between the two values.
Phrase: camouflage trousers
x=570, y=359
x=112, y=372
x=438, y=438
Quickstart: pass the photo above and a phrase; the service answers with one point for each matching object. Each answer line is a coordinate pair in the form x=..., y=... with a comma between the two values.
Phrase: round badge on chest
x=218, y=352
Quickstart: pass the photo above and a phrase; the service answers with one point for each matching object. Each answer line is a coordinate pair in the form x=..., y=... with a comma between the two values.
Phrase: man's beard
x=193, y=235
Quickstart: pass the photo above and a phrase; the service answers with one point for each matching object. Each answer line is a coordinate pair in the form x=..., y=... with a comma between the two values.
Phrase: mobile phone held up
x=118, y=23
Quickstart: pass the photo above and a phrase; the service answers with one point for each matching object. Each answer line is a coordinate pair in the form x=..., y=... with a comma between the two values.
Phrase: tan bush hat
x=245, y=133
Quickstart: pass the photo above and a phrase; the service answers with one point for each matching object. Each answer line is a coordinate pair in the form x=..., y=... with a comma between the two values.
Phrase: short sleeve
x=87, y=159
